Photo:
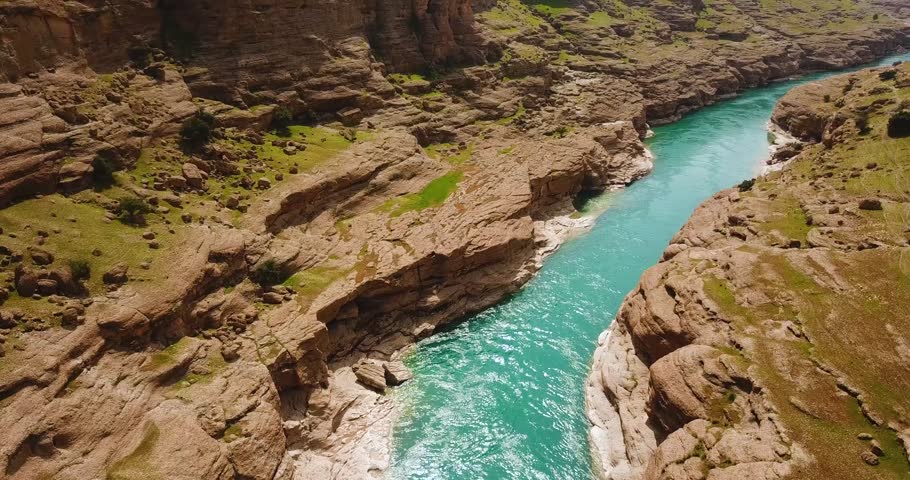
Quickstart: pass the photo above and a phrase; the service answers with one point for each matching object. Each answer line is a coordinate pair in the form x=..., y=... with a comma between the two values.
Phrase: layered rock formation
x=770, y=342
x=221, y=220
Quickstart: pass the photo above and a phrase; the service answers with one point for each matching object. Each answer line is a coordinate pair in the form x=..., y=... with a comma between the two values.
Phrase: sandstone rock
x=232, y=202
x=26, y=281
x=176, y=182
x=70, y=316
x=272, y=298
x=6, y=319
x=397, y=373
x=40, y=257
x=870, y=204
x=194, y=176
x=47, y=286
x=876, y=448
x=869, y=457
x=371, y=374
x=117, y=275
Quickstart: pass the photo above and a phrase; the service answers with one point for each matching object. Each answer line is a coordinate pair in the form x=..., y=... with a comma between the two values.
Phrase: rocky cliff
x=771, y=340
x=223, y=219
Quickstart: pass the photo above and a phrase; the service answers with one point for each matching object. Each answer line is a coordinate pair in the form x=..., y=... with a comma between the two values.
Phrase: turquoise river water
x=501, y=396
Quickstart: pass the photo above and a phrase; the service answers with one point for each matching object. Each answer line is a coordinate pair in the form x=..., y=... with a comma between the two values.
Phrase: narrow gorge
x=227, y=224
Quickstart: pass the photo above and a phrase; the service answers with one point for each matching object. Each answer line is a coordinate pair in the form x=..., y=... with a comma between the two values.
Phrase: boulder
x=47, y=287
x=26, y=281
x=6, y=319
x=74, y=176
x=869, y=457
x=117, y=275
x=176, y=183
x=873, y=204
x=876, y=448
x=397, y=373
x=232, y=202
x=272, y=298
x=70, y=316
x=370, y=374
x=40, y=257
x=263, y=183
x=350, y=116
x=194, y=176
x=66, y=283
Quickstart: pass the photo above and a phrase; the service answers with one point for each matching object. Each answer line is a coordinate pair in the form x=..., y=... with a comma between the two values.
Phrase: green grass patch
x=311, y=282
x=433, y=195
x=232, y=433
x=790, y=220
x=520, y=112
x=403, y=78
x=82, y=229
x=137, y=464
x=450, y=153
x=167, y=356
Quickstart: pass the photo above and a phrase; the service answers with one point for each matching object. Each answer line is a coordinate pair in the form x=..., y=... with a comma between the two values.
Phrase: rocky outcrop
x=704, y=372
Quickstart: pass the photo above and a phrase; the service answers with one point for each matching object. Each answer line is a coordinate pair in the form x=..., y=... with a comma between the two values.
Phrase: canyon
x=370, y=172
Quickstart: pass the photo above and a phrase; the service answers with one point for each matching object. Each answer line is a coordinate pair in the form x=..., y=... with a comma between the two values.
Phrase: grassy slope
x=857, y=327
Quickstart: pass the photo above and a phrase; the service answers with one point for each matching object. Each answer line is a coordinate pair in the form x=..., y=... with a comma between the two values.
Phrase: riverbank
x=687, y=366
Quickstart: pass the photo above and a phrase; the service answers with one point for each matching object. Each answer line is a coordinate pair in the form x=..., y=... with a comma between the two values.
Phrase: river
x=501, y=396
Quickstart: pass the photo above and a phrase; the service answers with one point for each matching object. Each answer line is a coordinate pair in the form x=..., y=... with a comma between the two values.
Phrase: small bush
x=559, y=132
x=197, y=131
x=862, y=123
x=887, y=75
x=80, y=269
x=270, y=273
x=282, y=119
x=746, y=185
x=103, y=168
x=849, y=86
x=132, y=210
x=827, y=98
x=899, y=124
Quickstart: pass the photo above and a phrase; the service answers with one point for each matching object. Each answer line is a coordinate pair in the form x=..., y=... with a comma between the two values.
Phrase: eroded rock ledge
x=758, y=347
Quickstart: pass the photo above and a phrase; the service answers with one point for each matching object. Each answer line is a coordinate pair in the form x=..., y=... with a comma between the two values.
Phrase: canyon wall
x=372, y=171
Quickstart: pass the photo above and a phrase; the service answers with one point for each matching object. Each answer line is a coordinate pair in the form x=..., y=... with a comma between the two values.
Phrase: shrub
x=827, y=98
x=197, y=131
x=862, y=123
x=269, y=273
x=887, y=75
x=746, y=185
x=849, y=86
x=282, y=119
x=103, y=168
x=559, y=132
x=899, y=124
x=81, y=269
x=132, y=210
